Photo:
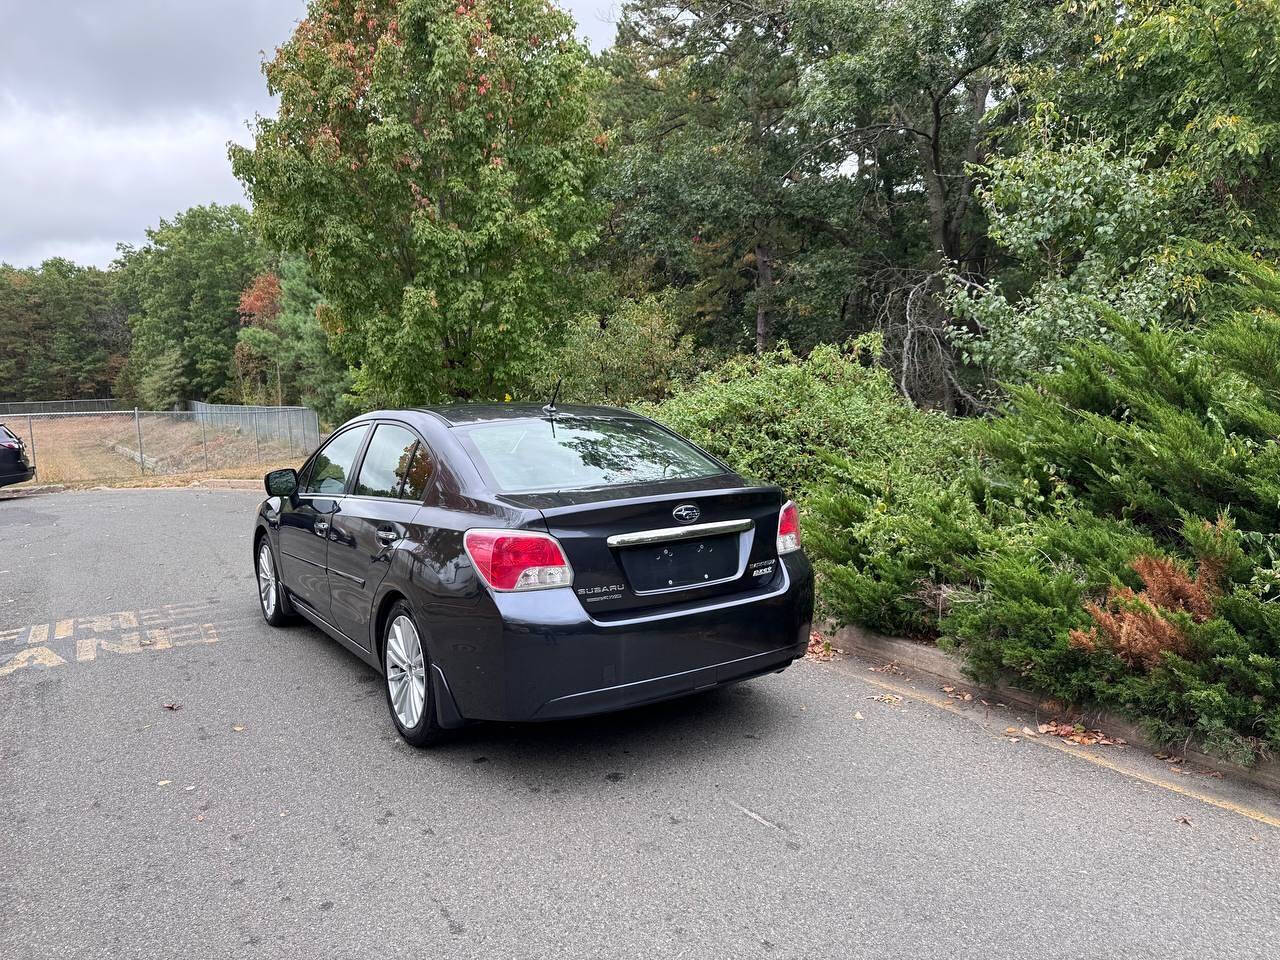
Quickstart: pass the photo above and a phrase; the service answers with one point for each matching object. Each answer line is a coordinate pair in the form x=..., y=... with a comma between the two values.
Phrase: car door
x=371, y=520
x=305, y=521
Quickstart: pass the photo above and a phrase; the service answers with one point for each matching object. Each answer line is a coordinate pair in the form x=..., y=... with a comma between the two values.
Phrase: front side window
x=332, y=465
x=395, y=465
x=567, y=452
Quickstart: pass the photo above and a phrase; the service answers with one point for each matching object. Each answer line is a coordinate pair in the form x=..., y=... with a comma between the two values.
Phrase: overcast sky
x=115, y=113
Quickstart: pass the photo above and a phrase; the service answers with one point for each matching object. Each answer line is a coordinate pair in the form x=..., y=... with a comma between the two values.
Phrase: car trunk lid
x=663, y=543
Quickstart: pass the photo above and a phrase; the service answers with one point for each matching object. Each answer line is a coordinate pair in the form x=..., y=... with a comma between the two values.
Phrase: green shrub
x=634, y=352
x=1150, y=453
x=779, y=417
x=1127, y=453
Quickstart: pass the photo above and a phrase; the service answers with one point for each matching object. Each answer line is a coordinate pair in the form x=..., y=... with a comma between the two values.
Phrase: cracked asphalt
x=276, y=814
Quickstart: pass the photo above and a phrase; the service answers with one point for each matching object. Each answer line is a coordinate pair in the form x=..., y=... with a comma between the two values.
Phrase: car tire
x=273, y=599
x=406, y=674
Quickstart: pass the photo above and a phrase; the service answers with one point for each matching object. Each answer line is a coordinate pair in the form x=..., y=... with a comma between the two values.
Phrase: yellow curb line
x=1055, y=744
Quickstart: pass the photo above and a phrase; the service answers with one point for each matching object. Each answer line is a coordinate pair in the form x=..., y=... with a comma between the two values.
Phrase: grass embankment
x=103, y=450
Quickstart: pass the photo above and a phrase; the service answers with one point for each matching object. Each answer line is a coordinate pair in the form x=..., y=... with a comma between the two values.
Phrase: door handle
x=388, y=537
x=321, y=527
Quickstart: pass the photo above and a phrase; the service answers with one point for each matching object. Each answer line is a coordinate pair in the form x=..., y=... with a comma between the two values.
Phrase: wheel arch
x=382, y=610
x=447, y=713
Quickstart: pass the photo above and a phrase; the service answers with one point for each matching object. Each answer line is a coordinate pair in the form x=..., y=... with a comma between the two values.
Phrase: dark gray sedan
x=15, y=464
x=511, y=562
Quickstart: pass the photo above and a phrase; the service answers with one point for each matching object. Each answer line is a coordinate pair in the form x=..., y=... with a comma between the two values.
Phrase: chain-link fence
x=110, y=445
x=23, y=407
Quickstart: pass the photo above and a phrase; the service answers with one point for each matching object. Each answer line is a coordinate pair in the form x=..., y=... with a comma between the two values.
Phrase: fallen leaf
x=190, y=788
x=1010, y=729
x=968, y=696
x=172, y=706
x=887, y=698
x=948, y=689
x=857, y=715
x=820, y=649
x=1185, y=821
x=237, y=727
x=163, y=783
x=1029, y=732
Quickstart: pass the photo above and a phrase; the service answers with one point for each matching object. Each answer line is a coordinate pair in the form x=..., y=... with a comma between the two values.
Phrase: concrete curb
x=15, y=493
x=229, y=483
x=936, y=664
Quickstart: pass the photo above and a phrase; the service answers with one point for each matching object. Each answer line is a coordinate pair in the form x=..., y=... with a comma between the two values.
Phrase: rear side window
x=415, y=480
x=332, y=465
x=567, y=452
x=395, y=465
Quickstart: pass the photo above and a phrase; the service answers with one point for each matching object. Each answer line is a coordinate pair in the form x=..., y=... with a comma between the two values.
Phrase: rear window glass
x=524, y=455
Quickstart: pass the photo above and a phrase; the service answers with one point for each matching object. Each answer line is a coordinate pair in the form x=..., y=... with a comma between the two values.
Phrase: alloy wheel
x=406, y=671
x=266, y=579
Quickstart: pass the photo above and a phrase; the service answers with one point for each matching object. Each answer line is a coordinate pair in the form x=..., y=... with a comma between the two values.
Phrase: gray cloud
x=116, y=113
x=121, y=58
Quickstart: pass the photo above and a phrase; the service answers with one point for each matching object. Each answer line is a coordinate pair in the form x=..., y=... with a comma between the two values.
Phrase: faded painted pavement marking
x=79, y=639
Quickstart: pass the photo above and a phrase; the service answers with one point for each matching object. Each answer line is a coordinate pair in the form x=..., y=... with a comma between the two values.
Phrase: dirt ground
x=104, y=450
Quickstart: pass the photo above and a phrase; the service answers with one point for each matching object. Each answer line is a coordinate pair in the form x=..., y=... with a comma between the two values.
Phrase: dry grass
x=102, y=450
x=192, y=478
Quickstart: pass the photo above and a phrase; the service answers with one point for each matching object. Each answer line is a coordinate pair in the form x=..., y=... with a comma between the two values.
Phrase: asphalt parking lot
x=826, y=812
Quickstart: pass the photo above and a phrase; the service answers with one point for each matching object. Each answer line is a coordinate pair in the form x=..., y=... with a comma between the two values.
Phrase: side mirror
x=281, y=483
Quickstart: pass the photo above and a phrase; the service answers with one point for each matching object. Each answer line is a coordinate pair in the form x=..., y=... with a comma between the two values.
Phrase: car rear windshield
x=571, y=452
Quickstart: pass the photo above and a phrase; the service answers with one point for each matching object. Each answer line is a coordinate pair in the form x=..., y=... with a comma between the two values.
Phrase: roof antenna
x=550, y=408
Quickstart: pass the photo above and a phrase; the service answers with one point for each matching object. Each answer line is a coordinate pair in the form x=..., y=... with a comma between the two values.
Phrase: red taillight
x=788, y=529
x=517, y=559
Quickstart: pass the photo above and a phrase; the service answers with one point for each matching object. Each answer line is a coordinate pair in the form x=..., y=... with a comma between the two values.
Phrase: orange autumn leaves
x=1139, y=627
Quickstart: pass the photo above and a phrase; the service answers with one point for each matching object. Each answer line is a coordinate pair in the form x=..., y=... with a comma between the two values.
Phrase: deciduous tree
x=433, y=161
x=183, y=290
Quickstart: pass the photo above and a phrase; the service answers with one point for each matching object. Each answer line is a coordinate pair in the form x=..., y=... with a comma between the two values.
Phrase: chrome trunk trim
x=667, y=534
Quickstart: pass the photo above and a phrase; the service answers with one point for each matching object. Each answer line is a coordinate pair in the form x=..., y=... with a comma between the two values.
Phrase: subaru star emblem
x=686, y=513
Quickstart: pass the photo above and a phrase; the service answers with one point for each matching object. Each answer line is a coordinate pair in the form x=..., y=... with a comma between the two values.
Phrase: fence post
x=288, y=422
x=204, y=442
x=257, y=438
x=31, y=432
x=137, y=423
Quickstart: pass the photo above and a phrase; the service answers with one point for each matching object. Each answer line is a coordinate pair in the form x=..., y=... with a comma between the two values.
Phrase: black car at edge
x=510, y=562
x=15, y=467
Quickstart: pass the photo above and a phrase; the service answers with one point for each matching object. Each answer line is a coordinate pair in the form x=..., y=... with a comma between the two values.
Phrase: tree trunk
x=936, y=195
x=764, y=293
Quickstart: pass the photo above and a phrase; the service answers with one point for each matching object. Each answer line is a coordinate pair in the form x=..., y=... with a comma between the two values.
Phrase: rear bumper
x=608, y=699
x=551, y=660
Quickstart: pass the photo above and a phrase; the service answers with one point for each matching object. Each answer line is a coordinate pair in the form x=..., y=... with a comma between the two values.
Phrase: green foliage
x=182, y=289
x=714, y=176
x=433, y=161
x=1198, y=82
x=1162, y=140
x=1130, y=451
x=779, y=417
x=1086, y=224
x=290, y=351
x=634, y=352
x=62, y=332
x=1154, y=428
